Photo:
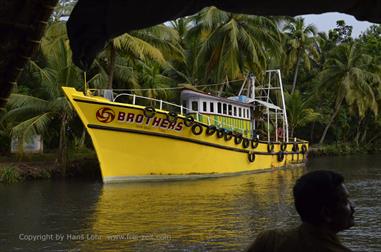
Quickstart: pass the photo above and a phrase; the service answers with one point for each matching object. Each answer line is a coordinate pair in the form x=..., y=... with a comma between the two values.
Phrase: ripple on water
x=207, y=215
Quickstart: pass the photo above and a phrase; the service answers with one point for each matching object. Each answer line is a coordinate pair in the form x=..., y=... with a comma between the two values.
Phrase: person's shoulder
x=269, y=240
x=273, y=233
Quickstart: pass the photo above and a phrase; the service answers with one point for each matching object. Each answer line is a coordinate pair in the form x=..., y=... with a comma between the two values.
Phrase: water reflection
x=214, y=214
x=222, y=214
x=35, y=210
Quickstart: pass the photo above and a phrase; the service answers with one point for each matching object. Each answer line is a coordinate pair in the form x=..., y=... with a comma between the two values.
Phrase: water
x=222, y=214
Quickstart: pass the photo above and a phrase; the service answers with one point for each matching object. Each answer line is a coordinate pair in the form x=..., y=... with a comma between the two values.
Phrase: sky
x=327, y=21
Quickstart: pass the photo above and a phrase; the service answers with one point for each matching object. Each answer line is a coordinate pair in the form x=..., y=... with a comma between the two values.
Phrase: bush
x=10, y=174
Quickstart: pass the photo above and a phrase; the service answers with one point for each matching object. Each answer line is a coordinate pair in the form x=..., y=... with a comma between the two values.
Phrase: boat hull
x=132, y=146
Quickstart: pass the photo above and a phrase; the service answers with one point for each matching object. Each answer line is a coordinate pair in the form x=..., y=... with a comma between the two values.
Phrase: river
x=223, y=214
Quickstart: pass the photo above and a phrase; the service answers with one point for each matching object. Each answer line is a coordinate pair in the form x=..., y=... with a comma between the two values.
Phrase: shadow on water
x=222, y=214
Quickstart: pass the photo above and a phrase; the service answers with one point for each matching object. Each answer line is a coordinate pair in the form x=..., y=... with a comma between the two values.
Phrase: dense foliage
x=332, y=80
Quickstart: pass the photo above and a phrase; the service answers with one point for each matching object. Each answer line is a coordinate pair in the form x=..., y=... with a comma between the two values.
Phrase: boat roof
x=188, y=93
x=266, y=104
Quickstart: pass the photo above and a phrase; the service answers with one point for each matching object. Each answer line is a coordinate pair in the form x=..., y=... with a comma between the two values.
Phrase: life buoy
x=304, y=149
x=283, y=146
x=238, y=138
x=188, y=120
x=228, y=135
x=245, y=143
x=251, y=157
x=295, y=147
x=197, y=129
x=220, y=133
x=211, y=130
x=270, y=147
x=149, y=112
x=172, y=117
x=254, y=142
x=280, y=156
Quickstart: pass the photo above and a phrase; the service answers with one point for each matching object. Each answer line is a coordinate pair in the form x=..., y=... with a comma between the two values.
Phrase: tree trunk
x=373, y=139
x=83, y=138
x=111, y=66
x=365, y=131
x=296, y=71
x=62, y=150
x=221, y=89
x=312, y=132
x=358, y=133
x=363, y=138
x=337, y=109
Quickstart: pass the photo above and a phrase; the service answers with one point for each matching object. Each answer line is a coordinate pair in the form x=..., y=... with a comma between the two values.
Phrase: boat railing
x=163, y=105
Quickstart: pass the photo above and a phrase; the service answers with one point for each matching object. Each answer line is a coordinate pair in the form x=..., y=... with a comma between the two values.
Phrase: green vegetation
x=9, y=174
x=332, y=80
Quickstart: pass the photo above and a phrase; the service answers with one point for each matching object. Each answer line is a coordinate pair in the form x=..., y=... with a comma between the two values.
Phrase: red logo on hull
x=105, y=115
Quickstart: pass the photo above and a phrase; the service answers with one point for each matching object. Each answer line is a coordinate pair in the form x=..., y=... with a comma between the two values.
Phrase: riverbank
x=16, y=168
x=342, y=149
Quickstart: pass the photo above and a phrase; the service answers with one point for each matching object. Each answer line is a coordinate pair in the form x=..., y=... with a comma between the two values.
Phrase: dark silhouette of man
x=321, y=200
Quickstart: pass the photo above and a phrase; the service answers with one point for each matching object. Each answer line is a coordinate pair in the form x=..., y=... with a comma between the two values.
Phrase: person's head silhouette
x=321, y=199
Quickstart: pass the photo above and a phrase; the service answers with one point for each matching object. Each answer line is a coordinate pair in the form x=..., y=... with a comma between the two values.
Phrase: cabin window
x=248, y=113
x=219, y=109
x=239, y=112
x=194, y=105
x=235, y=111
x=204, y=106
x=230, y=110
x=211, y=107
x=225, y=107
x=184, y=103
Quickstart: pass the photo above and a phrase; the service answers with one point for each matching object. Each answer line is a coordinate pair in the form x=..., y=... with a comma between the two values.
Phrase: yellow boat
x=205, y=136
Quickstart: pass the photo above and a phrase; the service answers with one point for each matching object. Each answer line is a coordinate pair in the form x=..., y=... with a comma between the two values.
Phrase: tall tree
x=35, y=114
x=342, y=33
x=346, y=74
x=232, y=45
x=301, y=46
x=298, y=111
x=370, y=41
x=159, y=43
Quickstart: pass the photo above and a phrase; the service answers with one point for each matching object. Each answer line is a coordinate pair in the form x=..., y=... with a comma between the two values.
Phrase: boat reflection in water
x=223, y=214
x=213, y=214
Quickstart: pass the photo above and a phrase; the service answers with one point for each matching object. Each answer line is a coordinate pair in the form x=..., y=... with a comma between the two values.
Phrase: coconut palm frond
x=32, y=126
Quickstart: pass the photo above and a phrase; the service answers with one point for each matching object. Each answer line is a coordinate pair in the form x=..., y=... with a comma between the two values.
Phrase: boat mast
x=285, y=120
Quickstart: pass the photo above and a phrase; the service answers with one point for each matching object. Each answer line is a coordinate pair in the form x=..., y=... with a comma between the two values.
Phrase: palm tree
x=159, y=44
x=4, y=132
x=232, y=45
x=300, y=46
x=346, y=74
x=35, y=114
x=154, y=83
x=184, y=71
x=298, y=112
